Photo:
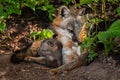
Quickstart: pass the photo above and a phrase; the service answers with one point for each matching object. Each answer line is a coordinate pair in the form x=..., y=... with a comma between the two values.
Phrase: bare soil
x=100, y=69
x=17, y=37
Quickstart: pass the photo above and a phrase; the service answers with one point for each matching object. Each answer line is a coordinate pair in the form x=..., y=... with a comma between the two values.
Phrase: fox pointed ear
x=64, y=12
x=82, y=12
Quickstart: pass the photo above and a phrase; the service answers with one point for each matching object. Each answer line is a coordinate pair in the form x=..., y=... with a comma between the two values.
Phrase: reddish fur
x=70, y=44
x=74, y=59
x=82, y=33
x=54, y=48
x=57, y=21
x=73, y=55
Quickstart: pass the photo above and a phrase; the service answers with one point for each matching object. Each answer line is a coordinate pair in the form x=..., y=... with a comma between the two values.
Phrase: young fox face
x=51, y=49
x=47, y=52
x=73, y=21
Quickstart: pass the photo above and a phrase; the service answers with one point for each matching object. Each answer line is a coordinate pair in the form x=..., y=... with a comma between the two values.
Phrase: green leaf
x=118, y=10
x=88, y=42
x=113, y=31
x=96, y=20
x=3, y=15
x=33, y=34
x=108, y=46
x=45, y=33
x=85, y=2
x=92, y=55
x=67, y=1
x=106, y=37
x=115, y=25
x=30, y=3
x=2, y=26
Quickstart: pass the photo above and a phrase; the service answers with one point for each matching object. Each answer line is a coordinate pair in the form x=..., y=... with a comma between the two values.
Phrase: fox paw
x=54, y=71
x=28, y=59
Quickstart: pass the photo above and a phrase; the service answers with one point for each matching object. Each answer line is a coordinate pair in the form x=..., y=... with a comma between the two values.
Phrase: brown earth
x=17, y=37
x=100, y=69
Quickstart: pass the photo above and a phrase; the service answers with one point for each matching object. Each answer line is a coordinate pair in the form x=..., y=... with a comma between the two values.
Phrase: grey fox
x=72, y=20
x=51, y=49
x=70, y=27
x=47, y=52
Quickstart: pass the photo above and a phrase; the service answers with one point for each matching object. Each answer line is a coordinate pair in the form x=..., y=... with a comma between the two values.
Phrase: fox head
x=51, y=49
x=72, y=20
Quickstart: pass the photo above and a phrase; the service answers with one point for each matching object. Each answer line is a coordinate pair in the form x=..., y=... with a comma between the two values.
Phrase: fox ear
x=64, y=12
x=82, y=12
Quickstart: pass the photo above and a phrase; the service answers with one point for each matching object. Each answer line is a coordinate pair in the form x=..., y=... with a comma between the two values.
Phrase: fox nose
x=76, y=40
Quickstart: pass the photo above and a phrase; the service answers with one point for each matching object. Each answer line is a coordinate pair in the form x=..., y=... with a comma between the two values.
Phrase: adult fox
x=73, y=20
x=70, y=28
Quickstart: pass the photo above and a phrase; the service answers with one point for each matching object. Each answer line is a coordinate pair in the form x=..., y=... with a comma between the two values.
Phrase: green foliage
x=31, y=3
x=40, y=4
x=67, y=2
x=113, y=1
x=8, y=7
x=118, y=10
x=106, y=37
x=89, y=44
x=47, y=7
x=96, y=20
x=2, y=27
x=92, y=55
x=85, y=2
x=45, y=33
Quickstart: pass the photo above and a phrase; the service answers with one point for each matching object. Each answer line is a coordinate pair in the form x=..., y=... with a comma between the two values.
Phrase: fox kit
x=70, y=27
x=51, y=49
x=47, y=52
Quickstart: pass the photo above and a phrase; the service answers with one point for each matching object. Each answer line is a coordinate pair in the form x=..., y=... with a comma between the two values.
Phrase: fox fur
x=69, y=26
x=47, y=52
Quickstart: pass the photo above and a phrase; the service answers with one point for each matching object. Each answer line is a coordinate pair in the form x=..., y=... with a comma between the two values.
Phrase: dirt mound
x=97, y=70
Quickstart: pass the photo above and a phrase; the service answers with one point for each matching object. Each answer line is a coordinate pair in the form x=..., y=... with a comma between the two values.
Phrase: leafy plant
x=2, y=27
x=106, y=37
x=31, y=3
x=47, y=7
x=92, y=55
x=85, y=2
x=7, y=7
x=67, y=1
x=45, y=33
x=89, y=44
x=118, y=10
x=40, y=4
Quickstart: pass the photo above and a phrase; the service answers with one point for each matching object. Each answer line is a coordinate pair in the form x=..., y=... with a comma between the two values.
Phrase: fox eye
x=50, y=43
x=71, y=31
